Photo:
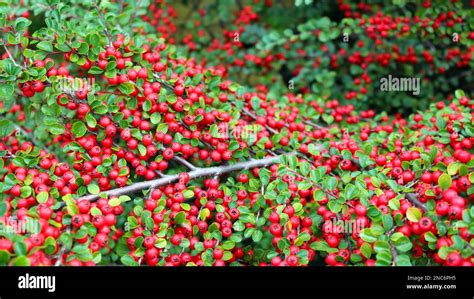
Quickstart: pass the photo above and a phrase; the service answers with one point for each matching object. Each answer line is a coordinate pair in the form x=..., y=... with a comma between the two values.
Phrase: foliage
x=122, y=143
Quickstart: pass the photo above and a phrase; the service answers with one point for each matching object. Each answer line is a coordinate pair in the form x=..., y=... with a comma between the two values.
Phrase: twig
x=200, y=172
x=392, y=247
x=310, y=123
x=414, y=200
x=10, y=55
x=184, y=162
x=61, y=252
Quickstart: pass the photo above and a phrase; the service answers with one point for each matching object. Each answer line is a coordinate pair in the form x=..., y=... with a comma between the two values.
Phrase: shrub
x=117, y=149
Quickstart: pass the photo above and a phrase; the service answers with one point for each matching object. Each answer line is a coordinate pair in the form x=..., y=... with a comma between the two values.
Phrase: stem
x=412, y=198
x=10, y=55
x=197, y=173
x=253, y=116
x=392, y=247
x=61, y=252
x=310, y=123
x=184, y=162
x=394, y=254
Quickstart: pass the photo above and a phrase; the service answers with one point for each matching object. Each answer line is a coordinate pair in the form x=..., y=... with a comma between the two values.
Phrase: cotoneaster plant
x=116, y=149
x=331, y=49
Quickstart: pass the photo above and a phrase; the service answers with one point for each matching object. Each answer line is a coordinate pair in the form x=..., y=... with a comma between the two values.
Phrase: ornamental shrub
x=141, y=134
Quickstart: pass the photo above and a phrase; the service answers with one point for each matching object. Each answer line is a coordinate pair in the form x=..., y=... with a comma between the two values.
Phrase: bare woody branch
x=414, y=200
x=197, y=173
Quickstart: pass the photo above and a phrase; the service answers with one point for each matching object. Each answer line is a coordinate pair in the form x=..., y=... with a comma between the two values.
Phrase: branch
x=393, y=251
x=62, y=251
x=414, y=200
x=310, y=123
x=184, y=162
x=394, y=254
x=10, y=55
x=197, y=173
x=253, y=116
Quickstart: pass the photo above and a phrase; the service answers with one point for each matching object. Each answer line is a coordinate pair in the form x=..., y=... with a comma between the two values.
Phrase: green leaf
x=90, y=120
x=403, y=244
x=56, y=128
x=42, y=197
x=430, y=237
x=367, y=235
x=6, y=127
x=413, y=214
x=387, y=222
x=114, y=202
x=313, y=149
x=3, y=207
x=79, y=129
x=366, y=250
x=330, y=183
x=381, y=246
x=6, y=90
x=443, y=252
x=132, y=222
x=126, y=88
x=21, y=24
x=264, y=175
x=442, y=228
x=444, y=181
x=383, y=259
x=128, y=260
x=21, y=261
x=155, y=118
x=257, y=236
x=95, y=211
x=95, y=70
x=147, y=105
x=238, y=226
x=93, y=189
x=233, y=145
x=20, y=247
x=188, y=194
x=4, y=257
x=160, y=243
x=142, y=149
x=124, y=198
x=350, y=191
x=393, y=185
x=459, y=93
x=305, y=168
x=204, y=213
x=180, y=217
x=228, y=245
x=45, y=46
x=403, y=260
